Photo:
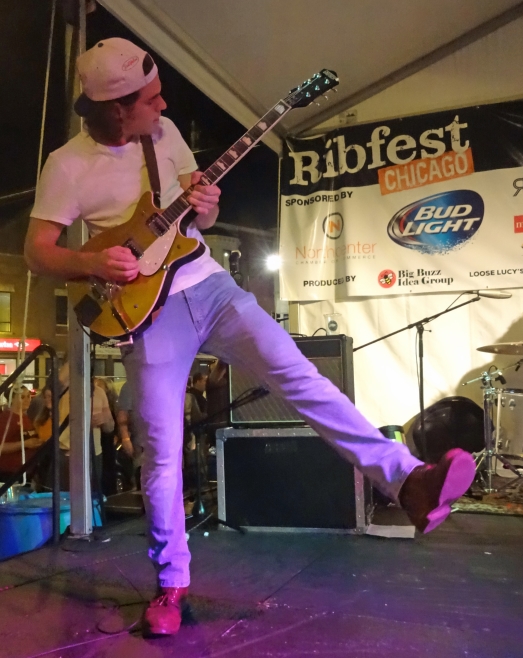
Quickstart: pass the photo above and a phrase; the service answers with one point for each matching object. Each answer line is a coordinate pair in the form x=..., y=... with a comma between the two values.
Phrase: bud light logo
x=438, y=224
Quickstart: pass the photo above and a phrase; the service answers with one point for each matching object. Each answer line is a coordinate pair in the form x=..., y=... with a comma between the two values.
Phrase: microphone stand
x=420, y=328
x=251, y=395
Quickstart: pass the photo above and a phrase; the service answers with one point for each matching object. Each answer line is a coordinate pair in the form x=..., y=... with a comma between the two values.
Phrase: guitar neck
x=226, y=162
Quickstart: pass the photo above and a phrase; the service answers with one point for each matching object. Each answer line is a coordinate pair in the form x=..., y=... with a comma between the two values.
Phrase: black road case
x=288, y=479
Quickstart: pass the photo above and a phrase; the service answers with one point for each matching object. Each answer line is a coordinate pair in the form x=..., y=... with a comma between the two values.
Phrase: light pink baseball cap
x=113, y=68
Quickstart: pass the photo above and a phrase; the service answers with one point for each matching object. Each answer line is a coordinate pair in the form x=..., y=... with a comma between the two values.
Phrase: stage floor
x=456, y=592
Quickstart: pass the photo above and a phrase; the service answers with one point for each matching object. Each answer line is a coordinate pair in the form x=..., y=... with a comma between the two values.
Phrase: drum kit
x=499, y=452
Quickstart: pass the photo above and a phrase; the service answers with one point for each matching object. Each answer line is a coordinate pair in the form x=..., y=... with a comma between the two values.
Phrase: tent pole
x=78, y=344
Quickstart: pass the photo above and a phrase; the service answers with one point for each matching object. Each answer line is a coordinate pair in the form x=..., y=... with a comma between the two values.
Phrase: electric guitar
x=158, y=237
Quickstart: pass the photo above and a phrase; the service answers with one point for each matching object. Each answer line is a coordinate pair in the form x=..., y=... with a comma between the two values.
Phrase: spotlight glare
x=273, y=262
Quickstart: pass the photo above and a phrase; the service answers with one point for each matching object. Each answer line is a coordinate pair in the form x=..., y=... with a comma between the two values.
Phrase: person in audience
x=195, y=411
x=101, y=422
x=101, y=419
x=43, y=421
x=197, y=390
x=128, y=435
x=217, y=393
x=12, y=452
x=108, y=439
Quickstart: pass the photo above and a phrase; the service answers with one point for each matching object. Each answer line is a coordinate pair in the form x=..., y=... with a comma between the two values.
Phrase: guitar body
x=114, y=310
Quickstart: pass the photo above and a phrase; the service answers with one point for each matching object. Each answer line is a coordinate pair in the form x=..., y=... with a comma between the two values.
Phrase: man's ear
x=120, y=112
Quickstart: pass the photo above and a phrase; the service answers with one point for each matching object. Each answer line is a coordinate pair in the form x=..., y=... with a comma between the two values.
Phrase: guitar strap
x=152, y=168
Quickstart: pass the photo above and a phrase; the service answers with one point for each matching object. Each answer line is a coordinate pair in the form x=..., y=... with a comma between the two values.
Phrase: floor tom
x=509, y=421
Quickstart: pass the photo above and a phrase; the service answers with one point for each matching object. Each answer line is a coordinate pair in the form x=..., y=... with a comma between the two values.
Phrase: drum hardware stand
x=420, y=328
x=487, y=454
x=486, y=457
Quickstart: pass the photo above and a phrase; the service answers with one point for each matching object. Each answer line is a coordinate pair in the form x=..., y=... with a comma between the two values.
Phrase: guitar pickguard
x=155, y=254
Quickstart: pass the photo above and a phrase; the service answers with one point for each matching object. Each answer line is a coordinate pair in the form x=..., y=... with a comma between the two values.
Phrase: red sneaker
x=163, y=615
x=429, y=490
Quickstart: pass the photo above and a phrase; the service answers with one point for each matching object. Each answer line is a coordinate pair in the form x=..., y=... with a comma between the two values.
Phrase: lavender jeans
x=217, y=317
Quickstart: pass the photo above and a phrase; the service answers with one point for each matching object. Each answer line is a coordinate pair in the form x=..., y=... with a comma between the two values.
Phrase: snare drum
x=509, y=421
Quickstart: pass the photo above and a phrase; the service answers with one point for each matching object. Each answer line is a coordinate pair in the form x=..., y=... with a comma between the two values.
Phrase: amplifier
x=288, y=479
x=332, y=356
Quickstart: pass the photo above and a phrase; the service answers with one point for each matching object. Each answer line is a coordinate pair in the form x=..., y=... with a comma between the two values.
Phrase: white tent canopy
x=394, y=58
x=245, y=55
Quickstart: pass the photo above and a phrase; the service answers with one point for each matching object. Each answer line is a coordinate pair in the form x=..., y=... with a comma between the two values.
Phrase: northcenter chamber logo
x=439, y=223
x=333, y=225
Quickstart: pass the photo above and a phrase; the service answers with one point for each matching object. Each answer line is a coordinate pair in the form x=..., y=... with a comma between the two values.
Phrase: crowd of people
x=33, y=413
x=117, y=451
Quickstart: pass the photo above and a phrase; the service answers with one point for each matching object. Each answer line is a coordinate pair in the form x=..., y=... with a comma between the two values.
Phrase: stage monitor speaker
x=288, y=479
x=332, y=356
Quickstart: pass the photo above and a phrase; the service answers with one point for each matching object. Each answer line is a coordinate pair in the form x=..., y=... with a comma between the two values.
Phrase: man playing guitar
x=99, y=176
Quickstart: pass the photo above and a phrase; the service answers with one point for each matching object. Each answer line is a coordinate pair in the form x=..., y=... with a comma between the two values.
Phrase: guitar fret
x=216, y=170
x=177, y=207
x=181, y=203
x=212, y=174
x=170, y=216
x=255, y=133
x=227, y=159
x=163, y=221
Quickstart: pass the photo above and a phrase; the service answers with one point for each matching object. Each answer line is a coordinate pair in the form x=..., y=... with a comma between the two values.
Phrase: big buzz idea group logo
x=387, y=278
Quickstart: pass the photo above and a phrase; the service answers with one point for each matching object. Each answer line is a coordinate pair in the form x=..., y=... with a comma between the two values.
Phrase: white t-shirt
x=103, y=184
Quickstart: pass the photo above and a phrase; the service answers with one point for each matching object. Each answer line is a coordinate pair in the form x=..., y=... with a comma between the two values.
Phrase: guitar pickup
x=158, y=225
x=135, y=249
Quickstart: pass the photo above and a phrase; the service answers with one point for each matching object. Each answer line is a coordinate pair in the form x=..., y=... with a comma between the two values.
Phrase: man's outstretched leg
x=244, y=335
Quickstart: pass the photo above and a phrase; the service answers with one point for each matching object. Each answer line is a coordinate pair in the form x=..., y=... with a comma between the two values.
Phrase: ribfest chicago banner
x=423, y=204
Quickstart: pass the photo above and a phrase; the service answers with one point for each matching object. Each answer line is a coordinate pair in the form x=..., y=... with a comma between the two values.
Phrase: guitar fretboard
x=226, y=162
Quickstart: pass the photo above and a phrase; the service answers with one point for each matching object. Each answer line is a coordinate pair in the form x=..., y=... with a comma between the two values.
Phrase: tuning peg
x=325, y=97
x=335, y=90
x=318, y=104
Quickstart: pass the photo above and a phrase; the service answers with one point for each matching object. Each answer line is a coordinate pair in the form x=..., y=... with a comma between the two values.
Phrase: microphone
x=493, y=294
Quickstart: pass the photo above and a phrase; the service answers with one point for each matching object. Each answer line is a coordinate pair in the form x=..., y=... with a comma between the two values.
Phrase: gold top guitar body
x=113, y=309
x=157, y=237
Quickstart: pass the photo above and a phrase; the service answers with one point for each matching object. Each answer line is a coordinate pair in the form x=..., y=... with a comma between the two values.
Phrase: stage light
x=273, y=262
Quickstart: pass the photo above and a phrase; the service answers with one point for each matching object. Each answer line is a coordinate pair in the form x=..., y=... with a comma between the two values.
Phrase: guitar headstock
x=309, y=90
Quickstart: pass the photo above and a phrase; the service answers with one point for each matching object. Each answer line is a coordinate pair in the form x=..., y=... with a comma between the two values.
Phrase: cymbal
x=502, y=348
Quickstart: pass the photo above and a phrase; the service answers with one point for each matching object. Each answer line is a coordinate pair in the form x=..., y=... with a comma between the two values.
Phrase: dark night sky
x=249, y=191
